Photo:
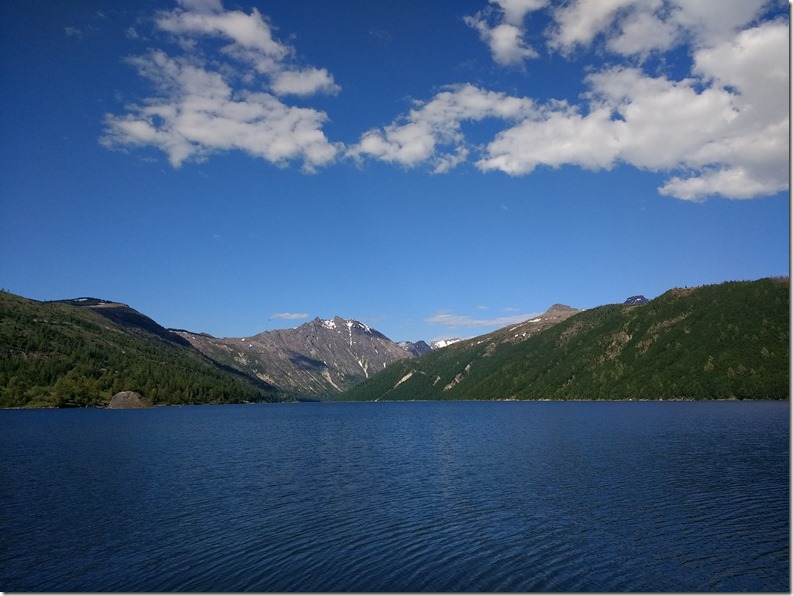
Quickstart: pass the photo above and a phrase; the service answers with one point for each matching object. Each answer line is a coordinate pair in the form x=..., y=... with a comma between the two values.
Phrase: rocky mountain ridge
x=325, y=357
x=318, y=360
x=315, y=360
x=417, y=348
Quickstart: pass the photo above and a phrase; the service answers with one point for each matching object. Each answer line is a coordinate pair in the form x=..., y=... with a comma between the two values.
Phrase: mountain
x=442, y=343
x=316, y=360
x=636, y=300
x=727, y=340
x=417, y=348
x=721, y=341
x=81, y=352
x=126, y=317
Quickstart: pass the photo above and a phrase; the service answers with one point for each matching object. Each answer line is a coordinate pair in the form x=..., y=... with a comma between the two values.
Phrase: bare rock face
x=127, y=400
x=320, y=359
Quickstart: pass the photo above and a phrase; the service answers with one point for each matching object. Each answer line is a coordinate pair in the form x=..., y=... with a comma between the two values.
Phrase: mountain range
x=324, y=358
x=317, y=360
x=725, y=340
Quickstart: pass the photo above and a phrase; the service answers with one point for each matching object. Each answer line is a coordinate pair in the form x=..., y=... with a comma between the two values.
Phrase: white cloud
x=197, y=113
x=631, y=27
x=445, y=319
x=506, y=41
x=643, y=31
x=249, y=32
x=432, y=130
x=289, y=316
x=304, y=82
x=663, y=123
x=723, y=130
x=751, y=156
x=733, y=183
x=558, y=137
x=516, y=10
x=727, y=128
x=709, y=24
x=505, y=36
x=202, y=106
x=580, y=21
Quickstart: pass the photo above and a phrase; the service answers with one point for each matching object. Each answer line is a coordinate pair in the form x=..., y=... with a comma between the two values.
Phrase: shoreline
x=499, y=400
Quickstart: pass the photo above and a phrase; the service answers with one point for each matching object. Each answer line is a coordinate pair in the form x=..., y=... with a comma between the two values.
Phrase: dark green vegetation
x=713, y=342
x=82, y=352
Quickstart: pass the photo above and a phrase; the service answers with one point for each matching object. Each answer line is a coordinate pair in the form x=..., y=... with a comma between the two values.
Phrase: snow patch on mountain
x=442, y=343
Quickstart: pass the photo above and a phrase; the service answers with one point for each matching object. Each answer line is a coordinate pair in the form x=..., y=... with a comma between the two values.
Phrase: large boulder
x=126, y=400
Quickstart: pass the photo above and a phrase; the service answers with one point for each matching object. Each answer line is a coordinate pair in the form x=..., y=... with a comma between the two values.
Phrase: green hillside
x=722, y=341
x=80, y=353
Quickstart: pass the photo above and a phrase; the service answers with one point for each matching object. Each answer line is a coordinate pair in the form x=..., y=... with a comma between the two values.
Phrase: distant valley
x=722, y=341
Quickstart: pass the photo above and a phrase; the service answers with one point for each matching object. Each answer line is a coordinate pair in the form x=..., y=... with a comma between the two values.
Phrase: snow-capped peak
x=351, y=324
x=442, y=343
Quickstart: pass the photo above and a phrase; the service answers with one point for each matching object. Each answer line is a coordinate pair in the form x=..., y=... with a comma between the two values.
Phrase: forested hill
x=81, y=352
x=722, y=341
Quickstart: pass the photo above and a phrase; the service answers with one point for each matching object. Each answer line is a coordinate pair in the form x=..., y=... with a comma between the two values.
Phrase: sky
x=432, y=168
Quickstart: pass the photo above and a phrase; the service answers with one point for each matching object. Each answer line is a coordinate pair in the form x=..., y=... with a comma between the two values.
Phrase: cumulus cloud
x=502, y=29
x=631, y=27
x=431, y=132
x=559, y=135
x=304, y=82
x=624, y=27
x=751, y=156
x=721, y=130
x=202, y=106
x=727, y=128
x=446, y=319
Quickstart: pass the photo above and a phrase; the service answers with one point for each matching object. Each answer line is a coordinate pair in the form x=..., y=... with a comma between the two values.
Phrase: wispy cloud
x=289, y=316
x=206, y=104
x=452, y=321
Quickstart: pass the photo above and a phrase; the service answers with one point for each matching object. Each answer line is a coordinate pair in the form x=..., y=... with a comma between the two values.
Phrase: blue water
x=639, y=496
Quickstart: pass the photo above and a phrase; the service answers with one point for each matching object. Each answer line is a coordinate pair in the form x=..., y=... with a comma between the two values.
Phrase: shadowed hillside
x=81, y=352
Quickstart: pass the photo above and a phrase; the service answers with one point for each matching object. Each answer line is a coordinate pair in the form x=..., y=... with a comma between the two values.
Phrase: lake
x=418, y=496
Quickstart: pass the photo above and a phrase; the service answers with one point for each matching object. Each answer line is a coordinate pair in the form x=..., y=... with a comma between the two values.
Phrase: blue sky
x=431, y=168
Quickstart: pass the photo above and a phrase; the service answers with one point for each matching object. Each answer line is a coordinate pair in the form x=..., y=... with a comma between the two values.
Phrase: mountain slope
x=437, y=372
x=128, y=318
x=317, y=360
x=81, y=352
x=728, y=340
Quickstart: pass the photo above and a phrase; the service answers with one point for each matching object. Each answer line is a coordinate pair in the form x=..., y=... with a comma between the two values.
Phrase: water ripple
x=399, y=497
